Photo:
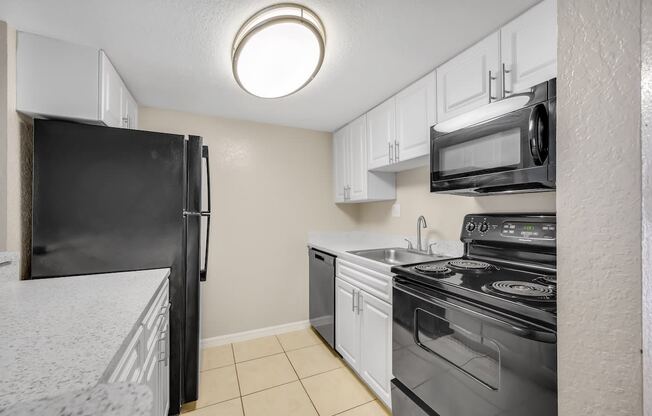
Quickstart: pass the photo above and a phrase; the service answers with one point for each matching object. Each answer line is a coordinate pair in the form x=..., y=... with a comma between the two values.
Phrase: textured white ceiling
x=175, y=54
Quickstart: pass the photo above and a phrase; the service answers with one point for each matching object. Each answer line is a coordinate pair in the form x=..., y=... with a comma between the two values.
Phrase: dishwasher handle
x=323, y=257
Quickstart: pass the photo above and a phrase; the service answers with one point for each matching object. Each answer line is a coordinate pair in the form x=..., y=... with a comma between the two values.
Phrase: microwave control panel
x=532, y=229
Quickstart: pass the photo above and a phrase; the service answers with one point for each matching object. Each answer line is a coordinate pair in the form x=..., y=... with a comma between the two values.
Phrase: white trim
x=254, y=333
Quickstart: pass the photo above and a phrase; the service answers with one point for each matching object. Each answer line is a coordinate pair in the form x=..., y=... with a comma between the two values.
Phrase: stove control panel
x=528, y=229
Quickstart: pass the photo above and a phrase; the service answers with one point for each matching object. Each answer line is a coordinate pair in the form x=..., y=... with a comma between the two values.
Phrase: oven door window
x=472, y=354
x=500, y=150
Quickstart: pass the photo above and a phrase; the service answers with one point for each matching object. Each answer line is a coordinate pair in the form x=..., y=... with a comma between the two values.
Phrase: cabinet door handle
x=491, y=79
x=352, y=300
x=505, y=90
x=359, y=301
x=397, y=151
x=125, y=122
x=389, y=152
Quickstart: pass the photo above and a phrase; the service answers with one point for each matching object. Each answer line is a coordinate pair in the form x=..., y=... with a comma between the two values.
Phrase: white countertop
x=60, y=335
x=339, y=243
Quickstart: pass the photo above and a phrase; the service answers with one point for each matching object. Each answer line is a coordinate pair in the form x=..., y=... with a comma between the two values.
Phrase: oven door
x=460, y=359
x=509, y=153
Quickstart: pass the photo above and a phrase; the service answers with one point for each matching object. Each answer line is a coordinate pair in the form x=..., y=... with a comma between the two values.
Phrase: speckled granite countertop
x=119, y=399
x=61, y=335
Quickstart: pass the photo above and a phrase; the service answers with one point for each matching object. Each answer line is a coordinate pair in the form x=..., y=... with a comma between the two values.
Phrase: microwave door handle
x=537, y=132
x=207, y=214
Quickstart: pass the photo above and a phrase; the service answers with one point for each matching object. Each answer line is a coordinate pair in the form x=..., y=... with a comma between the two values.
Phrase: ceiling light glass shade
x=278, y=51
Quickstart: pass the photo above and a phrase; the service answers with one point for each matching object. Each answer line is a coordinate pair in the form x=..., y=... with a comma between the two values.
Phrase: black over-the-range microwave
x=504, y=147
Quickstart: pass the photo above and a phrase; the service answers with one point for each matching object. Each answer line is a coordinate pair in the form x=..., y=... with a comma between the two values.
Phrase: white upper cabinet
x=353, y=180
x=56, y=79
x=112, y=93
x=341, y=163
x=381, y=134
x=415, y=114
x=469, y=80
x=529, y=47
x=358, y=143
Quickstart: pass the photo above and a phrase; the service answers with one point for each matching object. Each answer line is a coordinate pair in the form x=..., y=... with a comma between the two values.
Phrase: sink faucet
x=421, y=223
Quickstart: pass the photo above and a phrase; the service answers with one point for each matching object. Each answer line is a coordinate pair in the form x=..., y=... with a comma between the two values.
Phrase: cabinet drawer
x=152, y=321
x=128, y=368
x=371, y=281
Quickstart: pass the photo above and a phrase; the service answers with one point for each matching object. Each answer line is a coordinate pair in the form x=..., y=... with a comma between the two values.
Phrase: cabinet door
x=376, y=345
x=341, y=162
x=381, y=133
x=129, y=110
x=111, y=93
x=151, y=378
x=415, y=113
x=469, y=80
x=164, y=367
x=347, y=324
x=529, y=47
x=358, y=159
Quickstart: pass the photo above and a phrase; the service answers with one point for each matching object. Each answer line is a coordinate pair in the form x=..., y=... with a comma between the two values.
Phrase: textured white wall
x=599, y=208
x=3, y=134
x=646, y=136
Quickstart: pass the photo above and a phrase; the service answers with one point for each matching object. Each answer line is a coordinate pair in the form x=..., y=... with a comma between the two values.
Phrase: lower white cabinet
x=375, y=344
x=363, y=336
x=347, y=324
x=146, y=358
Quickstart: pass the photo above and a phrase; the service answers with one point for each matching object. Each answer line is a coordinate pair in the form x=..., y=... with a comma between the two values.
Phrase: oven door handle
x=523, y=332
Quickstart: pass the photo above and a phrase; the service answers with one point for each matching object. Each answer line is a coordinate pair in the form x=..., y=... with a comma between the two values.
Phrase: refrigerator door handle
x=207, y=213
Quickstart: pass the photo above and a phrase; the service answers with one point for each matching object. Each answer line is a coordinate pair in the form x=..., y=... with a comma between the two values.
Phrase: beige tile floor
x=292, y=374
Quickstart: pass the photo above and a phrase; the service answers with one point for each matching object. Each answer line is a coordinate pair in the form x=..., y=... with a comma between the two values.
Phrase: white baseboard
x=254, y=333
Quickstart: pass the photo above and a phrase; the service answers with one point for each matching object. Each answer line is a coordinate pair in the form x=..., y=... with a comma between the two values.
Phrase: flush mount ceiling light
x=278, y=51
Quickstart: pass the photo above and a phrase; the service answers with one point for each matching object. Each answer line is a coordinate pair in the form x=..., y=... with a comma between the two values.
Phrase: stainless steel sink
x=395, y=256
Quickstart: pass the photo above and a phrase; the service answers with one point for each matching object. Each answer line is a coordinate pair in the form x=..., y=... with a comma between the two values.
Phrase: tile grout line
x=355, y=407
x=301, y=383
x=237, y=377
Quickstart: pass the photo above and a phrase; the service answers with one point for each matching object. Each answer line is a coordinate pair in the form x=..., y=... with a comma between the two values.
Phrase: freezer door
x=192, y=215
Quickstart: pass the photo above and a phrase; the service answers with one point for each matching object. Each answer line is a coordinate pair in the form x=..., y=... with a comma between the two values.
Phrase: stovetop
x=511, y=288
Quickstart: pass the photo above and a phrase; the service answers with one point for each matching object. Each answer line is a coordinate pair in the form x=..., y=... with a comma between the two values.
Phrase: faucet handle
x=430, y=252
x=410, y=246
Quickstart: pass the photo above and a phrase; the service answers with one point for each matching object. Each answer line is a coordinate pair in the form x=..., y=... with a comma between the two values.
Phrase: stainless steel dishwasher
x=322, y=294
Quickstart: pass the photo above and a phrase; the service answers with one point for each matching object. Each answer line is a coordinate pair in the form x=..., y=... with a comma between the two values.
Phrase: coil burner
x=472, y=265
x=435, y=269
x=522, y=290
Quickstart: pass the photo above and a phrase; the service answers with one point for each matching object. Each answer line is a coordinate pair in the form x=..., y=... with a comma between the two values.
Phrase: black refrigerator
x=110, y=200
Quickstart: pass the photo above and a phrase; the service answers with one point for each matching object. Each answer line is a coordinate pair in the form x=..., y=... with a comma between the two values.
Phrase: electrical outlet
x=396, y=210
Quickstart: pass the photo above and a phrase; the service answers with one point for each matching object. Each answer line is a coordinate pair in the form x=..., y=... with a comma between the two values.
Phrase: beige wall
x=270, y=186
x=15, y=157
x=444, y=213
x=599, y=208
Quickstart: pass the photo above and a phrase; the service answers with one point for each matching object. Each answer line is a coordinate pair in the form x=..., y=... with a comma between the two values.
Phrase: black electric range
x=476, y=335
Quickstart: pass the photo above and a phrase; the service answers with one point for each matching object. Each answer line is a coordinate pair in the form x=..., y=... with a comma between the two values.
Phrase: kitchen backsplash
x=444, y=213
